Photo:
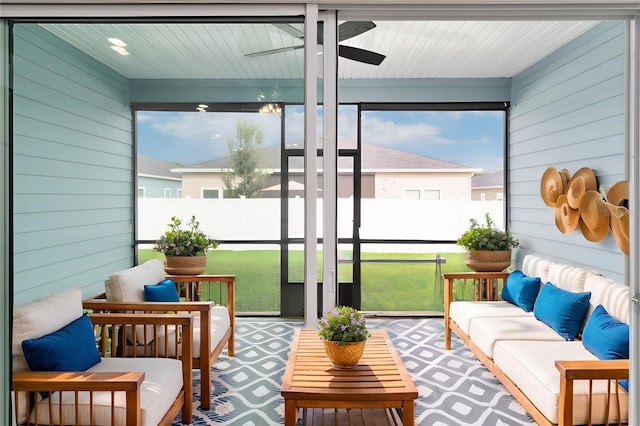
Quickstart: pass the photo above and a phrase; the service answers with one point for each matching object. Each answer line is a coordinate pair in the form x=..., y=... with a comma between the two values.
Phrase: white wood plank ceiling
x=413, y=49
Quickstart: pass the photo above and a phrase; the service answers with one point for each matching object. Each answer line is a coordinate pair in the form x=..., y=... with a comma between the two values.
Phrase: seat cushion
x=161, y=386
x=220, y=323
x=463, y=312
x=531, y=366
x=485, y=332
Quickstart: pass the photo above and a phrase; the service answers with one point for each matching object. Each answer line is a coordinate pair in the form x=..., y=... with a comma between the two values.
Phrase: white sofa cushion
x=610, y=294
x=566, y=277
x=531, y=366
x=534, y=266
x=128, y=285
x=38, y=318
x=485, y=332
x=161, y=386
x=463, y=312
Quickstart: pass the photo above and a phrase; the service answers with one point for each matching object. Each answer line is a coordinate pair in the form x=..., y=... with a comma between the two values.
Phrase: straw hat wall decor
x=618, y=203
x=579, y=205
x=553, y=184
x=594, y=216
x=566, y=218
x=582, y=181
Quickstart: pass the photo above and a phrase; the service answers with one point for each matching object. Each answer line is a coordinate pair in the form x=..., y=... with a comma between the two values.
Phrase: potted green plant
x=345, y=333
x=488, y=248
x=185, y=249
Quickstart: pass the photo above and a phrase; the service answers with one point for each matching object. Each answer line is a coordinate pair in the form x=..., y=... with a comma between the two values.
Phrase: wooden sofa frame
x=193, y=285
x=489, y=285
x=128, y=382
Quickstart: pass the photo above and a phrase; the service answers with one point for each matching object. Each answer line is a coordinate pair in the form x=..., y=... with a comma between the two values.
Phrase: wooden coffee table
x=379, y=381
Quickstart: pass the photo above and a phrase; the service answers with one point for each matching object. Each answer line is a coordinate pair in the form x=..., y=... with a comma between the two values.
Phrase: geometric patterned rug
x=454, y=388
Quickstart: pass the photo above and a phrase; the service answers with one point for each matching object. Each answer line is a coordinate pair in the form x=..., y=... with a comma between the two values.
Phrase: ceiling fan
x=346, y=30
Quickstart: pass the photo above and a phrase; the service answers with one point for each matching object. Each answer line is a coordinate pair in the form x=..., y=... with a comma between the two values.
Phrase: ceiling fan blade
x=272, y=51
x=350, y=29
x=287, y=28
x=360, y=55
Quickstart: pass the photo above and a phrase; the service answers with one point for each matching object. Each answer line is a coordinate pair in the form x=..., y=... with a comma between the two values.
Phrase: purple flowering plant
x=189, y=241
x=343, y=324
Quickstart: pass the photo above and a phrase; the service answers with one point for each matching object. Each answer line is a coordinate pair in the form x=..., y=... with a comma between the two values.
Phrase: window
x=421, y=194
x=140, y=192
x=167, y=193
x=179, y=193
x=211, y=193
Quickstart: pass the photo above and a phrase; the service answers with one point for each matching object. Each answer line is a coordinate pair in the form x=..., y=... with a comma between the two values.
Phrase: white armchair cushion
x=128, y=285
x=161, y=386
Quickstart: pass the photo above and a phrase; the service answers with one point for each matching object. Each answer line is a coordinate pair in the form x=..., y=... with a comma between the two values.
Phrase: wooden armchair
x=213, y=326
x=114, y=390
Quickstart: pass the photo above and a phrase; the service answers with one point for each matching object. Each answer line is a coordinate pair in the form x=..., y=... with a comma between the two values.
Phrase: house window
x=431, y=194
x=483, y=196
x=179, y=193
x=421, y=194
x=167, y=193
x=140, y=192
x=211, y=193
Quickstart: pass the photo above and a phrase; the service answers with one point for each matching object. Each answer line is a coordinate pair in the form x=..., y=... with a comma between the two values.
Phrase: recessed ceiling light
x=203, y=106
x=116, y=42
x=120, y=50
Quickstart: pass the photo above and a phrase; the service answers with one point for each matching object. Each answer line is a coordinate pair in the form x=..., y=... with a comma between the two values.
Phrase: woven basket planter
x=185, y=265
x=488, y=261
x=345, y=355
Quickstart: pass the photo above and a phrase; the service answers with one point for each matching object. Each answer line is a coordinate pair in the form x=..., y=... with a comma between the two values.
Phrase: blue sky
x=470, y=138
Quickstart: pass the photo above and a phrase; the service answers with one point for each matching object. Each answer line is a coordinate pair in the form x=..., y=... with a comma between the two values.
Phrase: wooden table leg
x=407, y=413
x=290, y=412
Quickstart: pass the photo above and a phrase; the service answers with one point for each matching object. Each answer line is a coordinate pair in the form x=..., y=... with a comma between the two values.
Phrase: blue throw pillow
x=562, y=310
x=164, y=291
x=72, y=348
x=605, y=336
x=521, y=290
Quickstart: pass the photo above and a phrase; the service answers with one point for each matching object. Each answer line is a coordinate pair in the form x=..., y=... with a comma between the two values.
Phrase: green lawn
x=385, y=286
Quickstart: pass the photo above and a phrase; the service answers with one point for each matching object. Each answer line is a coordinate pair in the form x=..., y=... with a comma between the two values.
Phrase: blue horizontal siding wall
x=568, y=112
x=72, y=168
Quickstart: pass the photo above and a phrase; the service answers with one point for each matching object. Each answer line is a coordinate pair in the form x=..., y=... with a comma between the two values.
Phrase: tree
x=245, y=176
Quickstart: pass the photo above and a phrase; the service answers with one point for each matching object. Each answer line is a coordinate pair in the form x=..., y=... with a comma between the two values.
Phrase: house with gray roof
x=156, y=180
x=488, y=186
x=386, y=173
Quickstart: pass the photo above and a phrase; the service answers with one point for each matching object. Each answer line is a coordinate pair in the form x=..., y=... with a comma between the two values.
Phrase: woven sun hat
x=552, y=185
x=582, y=181
x=619, y=217
x=594, y=216
x=566, y=217
x=618, y=194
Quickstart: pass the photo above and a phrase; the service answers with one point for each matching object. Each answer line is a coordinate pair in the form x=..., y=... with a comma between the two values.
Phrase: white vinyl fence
x=259, y=219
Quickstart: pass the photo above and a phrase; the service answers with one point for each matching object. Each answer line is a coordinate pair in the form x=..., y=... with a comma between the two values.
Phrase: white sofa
x=147, y=391
x=213, y=324
x=529, y=356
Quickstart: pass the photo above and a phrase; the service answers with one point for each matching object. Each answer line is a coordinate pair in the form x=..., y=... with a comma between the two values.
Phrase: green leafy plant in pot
x=185, y=249
x=488, y=248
